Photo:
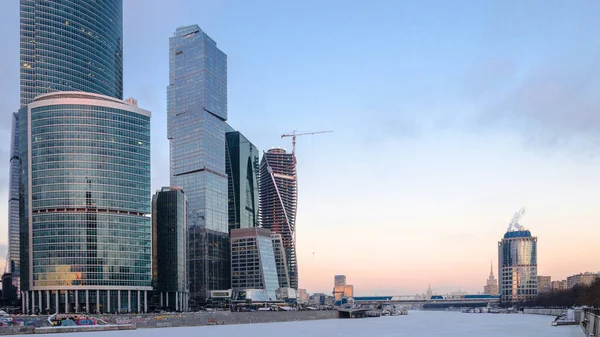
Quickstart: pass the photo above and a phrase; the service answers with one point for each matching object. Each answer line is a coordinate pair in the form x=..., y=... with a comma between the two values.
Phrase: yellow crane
x=294, y=135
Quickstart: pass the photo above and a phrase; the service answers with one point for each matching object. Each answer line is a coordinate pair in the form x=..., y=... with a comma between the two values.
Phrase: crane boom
x=294, y=134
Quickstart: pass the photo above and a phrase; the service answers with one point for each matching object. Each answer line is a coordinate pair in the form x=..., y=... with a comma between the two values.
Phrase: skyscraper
x=70, y=45
x=491, y=285
x=517, y=263
x=86, y=200
x=65, y=45
x=283, y=273
x=242, y=167
x=13, y=204
x=196, y=115
x=278, y=200
x=169, y=248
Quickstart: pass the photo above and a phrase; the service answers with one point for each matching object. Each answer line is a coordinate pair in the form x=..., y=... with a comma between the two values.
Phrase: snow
x=415, y=324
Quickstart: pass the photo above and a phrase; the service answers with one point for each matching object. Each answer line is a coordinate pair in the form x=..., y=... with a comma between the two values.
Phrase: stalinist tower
x=491, y=287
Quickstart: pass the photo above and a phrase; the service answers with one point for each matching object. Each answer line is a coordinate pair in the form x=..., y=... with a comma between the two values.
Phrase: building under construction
x=278, y=202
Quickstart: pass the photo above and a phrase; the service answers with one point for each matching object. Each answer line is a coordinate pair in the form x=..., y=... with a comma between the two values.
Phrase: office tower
x=86, y=201
x=544, y=284
x=169, y=248
x=65, y=45
x=13, y=205
x=339, y=285
x=582, y=279
x=196, y=114
x=517, y=263
x=339, y=280
x=491, y=285
x=278, y=200
x=241, y=162
x=69, y=45
x=281, y=261
x=253, y=263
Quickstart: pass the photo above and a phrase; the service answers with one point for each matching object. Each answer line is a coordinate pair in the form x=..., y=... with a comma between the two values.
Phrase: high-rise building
x=582, y=279
x=86, y=234
x=66, y=45
x=281, y=261
x=69, y=45
x=339, y=285
x=169, y=248
x=278, y=202
x=241, y=162
x=491, y=285
x=544, y=284
x=253, y=263
x=517, y=264
x=339, y=280
x=14, y=259
x=196, y=115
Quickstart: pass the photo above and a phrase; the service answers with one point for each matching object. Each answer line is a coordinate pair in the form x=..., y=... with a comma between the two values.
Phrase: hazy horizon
x=448, y=118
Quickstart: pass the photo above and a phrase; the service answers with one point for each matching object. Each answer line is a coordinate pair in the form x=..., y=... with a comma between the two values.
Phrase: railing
x=591, y=322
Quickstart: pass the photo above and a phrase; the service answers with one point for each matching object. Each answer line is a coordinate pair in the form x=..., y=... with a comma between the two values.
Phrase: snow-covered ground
x=416, y=324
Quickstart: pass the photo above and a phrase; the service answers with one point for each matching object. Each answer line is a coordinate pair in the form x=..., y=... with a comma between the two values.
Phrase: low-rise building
x=544, y=284
x=558, y=285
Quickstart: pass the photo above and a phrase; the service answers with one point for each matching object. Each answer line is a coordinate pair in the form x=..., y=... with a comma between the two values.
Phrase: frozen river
x=416, y=324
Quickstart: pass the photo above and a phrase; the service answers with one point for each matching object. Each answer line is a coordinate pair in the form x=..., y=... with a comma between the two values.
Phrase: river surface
x=415, y=324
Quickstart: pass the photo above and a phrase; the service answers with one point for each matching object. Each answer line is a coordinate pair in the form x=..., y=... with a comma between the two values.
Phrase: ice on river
x=415, y=324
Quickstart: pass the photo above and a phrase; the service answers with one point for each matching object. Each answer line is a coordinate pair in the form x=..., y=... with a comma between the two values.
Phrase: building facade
x=242, y=168
x=544, y=284
x=253, y=263
x=169, y=249
x=196, y=115
x=559, y=285
x=69, y=45
x=85, y=230
x=583, y=279
x=280, y=260
x=14, y=255
x=278, y=202
x=491, y=285
x=517, y=266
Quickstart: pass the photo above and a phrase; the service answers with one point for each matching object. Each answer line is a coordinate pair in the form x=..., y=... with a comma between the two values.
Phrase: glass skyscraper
x=86, y=234
x=13, y=204
x=196, y=115
x=517, y=265
x=71, y=45
x=169, y=248
x=242, y=167
x=278, y=202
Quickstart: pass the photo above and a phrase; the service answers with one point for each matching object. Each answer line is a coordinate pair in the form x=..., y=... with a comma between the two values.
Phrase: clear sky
x=448, y=115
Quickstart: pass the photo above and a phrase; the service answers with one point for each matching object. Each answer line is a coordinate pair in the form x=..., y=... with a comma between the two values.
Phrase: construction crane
x=294, y=135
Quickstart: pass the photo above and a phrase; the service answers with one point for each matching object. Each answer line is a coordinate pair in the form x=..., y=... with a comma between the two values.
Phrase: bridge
x=433, y=302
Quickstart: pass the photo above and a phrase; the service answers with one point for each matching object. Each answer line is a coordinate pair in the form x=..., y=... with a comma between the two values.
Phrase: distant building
x=318, y=299
x=281, y=261
x=278, y=203
x=429, y=292
x=544, y=284
x=491, y=285
x=583, y=279
x=253, y=263
x=517, y=263
x=302, y=296
x=342, y=292
x=241, y=163
x=558, y=285
x=339, y=280
x=169, y=248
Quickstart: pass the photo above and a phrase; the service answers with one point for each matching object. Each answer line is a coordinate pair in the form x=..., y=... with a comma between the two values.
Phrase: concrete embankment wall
x=549, y=312
x=224, y=317
x=591, y=322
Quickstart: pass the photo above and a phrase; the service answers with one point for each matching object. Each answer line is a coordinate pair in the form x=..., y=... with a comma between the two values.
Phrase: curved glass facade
x=517, y=255
x=69, y=45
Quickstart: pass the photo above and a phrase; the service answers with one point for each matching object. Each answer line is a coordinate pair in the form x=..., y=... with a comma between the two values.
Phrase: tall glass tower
x=196, y=115
x=13, y=203
x=86, y=231
x=71, y=45
x=278, y=202
x=242, y=167
x=517, y=263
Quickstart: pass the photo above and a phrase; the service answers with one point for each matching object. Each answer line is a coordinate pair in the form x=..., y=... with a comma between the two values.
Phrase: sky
x=448, y=117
